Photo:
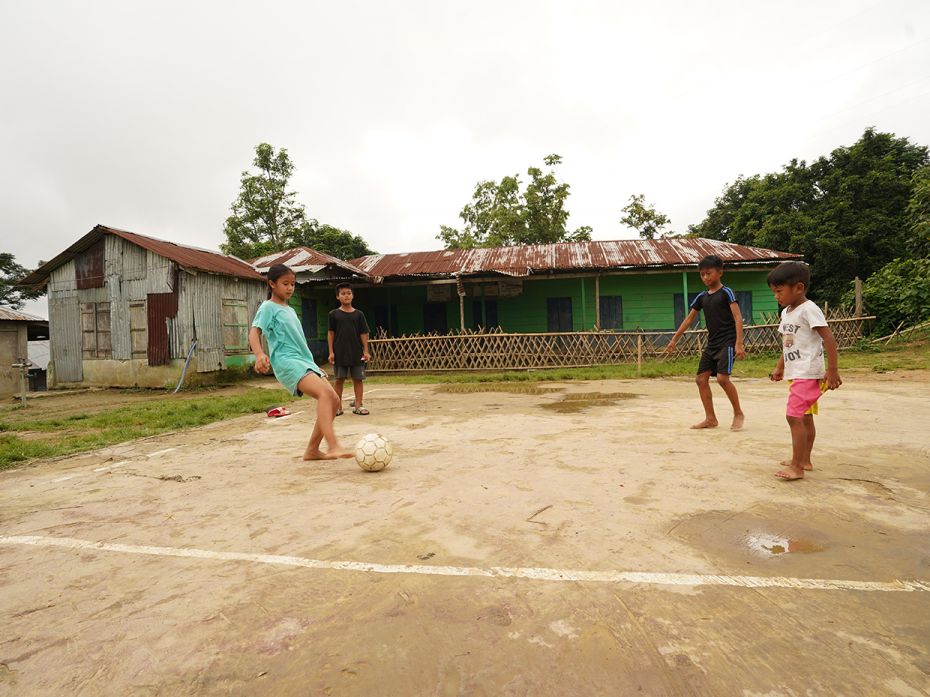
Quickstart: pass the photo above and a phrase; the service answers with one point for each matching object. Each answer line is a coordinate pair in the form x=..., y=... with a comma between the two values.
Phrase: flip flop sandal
x=278, y=411
x=339, y=413
x=361, y=411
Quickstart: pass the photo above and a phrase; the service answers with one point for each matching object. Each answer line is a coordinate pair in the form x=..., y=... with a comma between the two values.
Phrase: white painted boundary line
x=536, y=574
x=113, y=466
x=110, y=467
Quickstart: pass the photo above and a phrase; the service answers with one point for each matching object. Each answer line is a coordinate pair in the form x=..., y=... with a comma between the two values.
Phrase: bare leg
x=326, y=404
x=358, y=385
x=730, y=389
x=811, y=436
x=338, y=384
x=795, y=468
x=707, y=399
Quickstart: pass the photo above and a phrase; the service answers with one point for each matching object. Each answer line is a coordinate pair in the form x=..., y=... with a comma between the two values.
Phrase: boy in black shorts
x=724, y=340
x=348, y=346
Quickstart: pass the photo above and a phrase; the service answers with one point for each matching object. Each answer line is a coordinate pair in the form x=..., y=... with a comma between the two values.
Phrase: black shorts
x=356, y=372
x=717, y=360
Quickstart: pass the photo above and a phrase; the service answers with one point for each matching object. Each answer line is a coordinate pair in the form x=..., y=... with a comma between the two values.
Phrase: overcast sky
x=143, y=116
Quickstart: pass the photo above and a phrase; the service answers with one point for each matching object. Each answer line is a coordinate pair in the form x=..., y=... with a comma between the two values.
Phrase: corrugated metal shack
x=125, y=310
x=564, y=287
x=17, y=330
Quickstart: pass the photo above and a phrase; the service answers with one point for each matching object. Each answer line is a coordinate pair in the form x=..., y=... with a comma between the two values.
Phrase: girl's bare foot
x=738, y=420
x=706, y=423
x=790, y=473
x=337, y=454
x=314, y=454
x=787, y=463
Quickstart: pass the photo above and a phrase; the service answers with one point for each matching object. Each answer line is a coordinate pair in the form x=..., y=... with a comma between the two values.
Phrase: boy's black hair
x=711, y=261
x=344, y=284
x=275, y=272
x=788, y=273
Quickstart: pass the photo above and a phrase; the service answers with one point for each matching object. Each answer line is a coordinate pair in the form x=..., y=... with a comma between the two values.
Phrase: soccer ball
x=373, y=452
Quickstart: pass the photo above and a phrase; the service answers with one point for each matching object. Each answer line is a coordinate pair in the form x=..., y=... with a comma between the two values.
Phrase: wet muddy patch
x=768, y=544
x=579, y=401
x=803, y=541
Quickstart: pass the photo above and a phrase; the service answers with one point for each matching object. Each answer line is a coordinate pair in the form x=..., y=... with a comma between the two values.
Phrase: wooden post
x=462, y=312
x=684, y=290
x=584, y=308
x=639, y=355
x=597, y=302
x=858, y=297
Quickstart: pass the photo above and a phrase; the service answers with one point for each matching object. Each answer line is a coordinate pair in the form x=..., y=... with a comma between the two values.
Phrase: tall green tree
x=341, y=244
x=266, y=216
x=644, y=218
x=12, y=273
x=918, y=214
x=847, y=213
x=502, y=214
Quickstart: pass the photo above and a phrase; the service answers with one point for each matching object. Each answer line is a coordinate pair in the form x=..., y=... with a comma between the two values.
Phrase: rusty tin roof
x=10, y=315
x=183, y=255
x=566, y=257
x=301, y=259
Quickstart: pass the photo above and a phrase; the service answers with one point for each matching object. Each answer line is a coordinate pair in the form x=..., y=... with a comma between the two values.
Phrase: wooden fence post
x=858, y=297
x=639, y=355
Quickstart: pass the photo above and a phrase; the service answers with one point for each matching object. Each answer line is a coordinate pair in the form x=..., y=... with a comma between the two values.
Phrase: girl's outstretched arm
x=262, y=364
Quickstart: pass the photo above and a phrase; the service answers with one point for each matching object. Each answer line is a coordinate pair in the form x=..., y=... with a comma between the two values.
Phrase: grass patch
x=26, y=435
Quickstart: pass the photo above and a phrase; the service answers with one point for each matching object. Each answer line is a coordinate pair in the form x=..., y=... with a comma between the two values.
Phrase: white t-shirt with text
x=802, y=347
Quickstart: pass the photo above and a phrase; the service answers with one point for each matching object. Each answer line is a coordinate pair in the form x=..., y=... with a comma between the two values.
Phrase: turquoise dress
x=290, y=357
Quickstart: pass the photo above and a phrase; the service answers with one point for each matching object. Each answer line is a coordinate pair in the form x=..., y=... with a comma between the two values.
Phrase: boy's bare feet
x=790, y=473
x=706, y=423
x=314, y=454
x=738, y=420
x=787, y=463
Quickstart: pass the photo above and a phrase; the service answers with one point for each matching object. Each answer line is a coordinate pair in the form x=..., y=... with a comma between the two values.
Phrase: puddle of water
x=769, y=545
x=512, y=388
x=578, y=401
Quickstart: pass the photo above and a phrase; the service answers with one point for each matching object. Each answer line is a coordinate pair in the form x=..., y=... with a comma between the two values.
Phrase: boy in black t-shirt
x=724, y=340
x=348, y=346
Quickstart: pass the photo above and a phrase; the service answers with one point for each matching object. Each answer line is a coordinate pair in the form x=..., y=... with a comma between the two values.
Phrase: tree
x=898, y=293
x=12, y=273
x=266, y=216
x=846, y=213
x=643, y=218
x=341, y=244
x=918, y=214
x=502, y=215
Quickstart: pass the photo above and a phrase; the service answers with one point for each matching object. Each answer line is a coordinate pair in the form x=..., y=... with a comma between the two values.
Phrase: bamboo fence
x=495, y=350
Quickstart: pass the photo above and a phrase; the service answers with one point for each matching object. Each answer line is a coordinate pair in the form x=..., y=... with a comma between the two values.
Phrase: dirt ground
x=491, y=558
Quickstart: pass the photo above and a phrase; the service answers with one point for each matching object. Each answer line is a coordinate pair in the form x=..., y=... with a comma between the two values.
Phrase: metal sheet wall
x=132, y=274
x=64, y=322
x=200, y=314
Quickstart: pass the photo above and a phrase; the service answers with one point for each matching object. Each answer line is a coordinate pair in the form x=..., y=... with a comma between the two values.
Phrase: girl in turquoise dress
x=292, y=361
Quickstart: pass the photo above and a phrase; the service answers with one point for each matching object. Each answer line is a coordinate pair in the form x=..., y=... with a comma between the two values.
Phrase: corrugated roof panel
x=11, y=315
x=303, y=259
x=565, y=256
x=183, y=255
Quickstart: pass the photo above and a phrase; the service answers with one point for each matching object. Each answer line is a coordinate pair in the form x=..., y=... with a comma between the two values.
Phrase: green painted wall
x=647, y=301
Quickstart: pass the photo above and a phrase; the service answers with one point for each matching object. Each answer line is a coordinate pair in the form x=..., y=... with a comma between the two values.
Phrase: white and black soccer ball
x=373, y=452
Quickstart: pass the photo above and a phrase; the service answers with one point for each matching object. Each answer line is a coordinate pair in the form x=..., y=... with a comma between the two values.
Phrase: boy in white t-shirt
x=805, y=337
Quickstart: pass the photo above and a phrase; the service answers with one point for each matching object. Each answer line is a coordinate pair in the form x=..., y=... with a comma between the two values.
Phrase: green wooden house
x=626, y=285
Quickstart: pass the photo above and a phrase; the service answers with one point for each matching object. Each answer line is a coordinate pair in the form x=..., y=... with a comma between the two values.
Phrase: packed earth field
x=532, y=538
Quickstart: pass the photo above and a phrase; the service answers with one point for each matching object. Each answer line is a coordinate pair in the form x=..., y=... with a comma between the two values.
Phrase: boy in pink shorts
x=805, y=337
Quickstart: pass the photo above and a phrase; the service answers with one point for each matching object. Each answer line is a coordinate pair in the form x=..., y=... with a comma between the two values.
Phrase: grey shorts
x=356, y=372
